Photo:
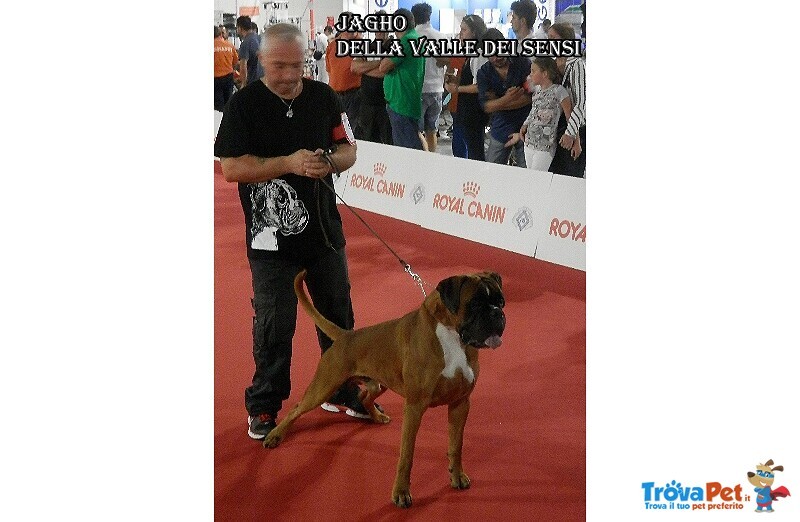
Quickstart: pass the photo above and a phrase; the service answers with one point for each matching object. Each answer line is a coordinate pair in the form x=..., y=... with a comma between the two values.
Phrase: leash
x=407, y=267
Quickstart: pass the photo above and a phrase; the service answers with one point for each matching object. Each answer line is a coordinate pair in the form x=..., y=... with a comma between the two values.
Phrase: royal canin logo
x=565, y=228
x=474, y=208
x=377, y=183
x=471, y=188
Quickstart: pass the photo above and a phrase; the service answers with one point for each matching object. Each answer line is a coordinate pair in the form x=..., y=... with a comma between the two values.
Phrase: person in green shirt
x=402, y=87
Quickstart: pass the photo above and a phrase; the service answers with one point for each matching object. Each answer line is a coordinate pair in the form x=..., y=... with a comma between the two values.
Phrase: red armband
x=343, y=131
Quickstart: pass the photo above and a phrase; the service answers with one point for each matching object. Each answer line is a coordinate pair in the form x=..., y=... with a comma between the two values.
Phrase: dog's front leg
x=457, y=416
x=412, y=417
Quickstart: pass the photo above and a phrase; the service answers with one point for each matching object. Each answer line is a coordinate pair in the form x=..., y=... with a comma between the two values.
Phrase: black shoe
x=260, y=425
x=347, y=397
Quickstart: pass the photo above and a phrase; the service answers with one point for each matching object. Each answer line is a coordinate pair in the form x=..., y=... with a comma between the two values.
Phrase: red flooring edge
x=525, y=440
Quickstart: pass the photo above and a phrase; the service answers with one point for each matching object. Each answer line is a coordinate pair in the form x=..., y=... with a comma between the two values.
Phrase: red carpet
x=525, y=440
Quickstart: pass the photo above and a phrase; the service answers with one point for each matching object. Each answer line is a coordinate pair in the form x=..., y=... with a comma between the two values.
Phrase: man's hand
x=513, y=94
x=314, y=165
x=309, y=164
x=513, y=140
x=566, y=141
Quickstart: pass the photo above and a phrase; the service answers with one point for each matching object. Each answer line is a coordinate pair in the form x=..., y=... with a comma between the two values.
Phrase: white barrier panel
x=488, y=203
x=562, y=232
x=534, y=213
x=384, y=178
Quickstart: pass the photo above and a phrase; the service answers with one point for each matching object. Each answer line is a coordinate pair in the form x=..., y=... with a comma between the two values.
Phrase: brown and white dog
x=429, y=356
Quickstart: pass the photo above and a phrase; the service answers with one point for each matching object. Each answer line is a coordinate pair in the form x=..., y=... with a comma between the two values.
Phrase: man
x=249, y=67
x=502, y=94
x=523, y=16
x=402, y=87
x=373, y=121
x=225, y=56
x=321, y=45
x=541, y=33
x=271, y=141
x=433, y=83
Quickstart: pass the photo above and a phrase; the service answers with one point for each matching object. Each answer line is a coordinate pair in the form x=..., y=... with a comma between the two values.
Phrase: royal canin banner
x=484, y=202
x=562, y=231
x=538, y=214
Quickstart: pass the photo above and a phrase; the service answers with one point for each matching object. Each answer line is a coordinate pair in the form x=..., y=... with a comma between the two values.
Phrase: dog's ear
x=777, y=468
x=496, y=278
x=751, y=474
x=450, y=291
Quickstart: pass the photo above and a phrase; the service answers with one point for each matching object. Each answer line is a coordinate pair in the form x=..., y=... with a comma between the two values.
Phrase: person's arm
x=255, y=169
x=454, y=87
x=243, y=71
x=344, y=157
x=577, y=80
x=386, y=66
x=514, y=98
x=362, y=66
x=566, y=140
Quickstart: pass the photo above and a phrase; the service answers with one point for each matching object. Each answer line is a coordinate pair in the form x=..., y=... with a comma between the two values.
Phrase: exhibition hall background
x=494, y=12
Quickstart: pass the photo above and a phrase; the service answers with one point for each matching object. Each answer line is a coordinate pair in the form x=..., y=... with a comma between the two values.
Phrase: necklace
x=290, y=112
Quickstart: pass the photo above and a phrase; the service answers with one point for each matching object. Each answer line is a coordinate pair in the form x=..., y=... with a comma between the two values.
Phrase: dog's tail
x=328, y=328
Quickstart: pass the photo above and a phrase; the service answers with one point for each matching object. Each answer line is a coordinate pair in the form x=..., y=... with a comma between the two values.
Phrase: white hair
x=282, y=33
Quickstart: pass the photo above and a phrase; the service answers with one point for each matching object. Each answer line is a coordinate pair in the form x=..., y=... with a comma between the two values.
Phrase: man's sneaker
x=347, y=397
x=259, y=426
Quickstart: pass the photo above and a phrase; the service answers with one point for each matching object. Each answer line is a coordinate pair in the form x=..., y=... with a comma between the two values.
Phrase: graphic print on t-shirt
x=276, y=208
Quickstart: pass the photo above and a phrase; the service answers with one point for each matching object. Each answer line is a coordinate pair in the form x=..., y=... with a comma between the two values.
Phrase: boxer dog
x=429, y=357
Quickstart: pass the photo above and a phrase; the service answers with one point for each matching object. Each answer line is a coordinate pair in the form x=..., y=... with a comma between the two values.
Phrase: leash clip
x=416, y=278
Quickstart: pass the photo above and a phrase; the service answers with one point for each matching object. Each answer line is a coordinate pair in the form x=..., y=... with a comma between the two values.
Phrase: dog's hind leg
x=372, y=390
x=328, y=378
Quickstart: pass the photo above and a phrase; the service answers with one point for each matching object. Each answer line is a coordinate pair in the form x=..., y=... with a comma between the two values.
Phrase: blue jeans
x=431, y=109
x=275, y=307
x=223, y=90
x=497, y=153
x=468, y=141
x=405, y=130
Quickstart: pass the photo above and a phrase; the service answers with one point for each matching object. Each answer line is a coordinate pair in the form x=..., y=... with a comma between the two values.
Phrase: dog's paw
x=459, y=480
x=272, y=440
x=380, y=418
x=402, y=498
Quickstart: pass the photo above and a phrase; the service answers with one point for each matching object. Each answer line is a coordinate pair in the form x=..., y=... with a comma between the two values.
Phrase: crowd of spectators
x=399, y=100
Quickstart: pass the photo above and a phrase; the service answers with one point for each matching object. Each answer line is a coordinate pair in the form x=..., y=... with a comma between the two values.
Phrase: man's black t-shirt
x=292, y=217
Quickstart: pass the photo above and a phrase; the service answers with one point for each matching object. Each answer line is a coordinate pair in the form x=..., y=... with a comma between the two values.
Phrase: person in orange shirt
x=343, y=80
x=225, y=56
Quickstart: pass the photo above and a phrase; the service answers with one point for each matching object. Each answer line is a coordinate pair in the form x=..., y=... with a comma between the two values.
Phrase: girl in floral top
x=549, y=100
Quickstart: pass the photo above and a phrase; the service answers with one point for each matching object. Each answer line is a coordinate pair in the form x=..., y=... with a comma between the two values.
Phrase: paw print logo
x=379, y=169
x=471, y=188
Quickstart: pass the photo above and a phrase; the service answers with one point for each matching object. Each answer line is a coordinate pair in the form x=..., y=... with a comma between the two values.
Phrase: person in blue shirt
x=502, y=95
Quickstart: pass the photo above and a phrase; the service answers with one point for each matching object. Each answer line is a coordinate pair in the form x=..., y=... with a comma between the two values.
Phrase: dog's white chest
x=454, y=356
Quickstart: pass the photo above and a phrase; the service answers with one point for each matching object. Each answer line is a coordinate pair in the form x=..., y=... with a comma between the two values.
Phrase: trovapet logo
x=715, y=496
x=711, y=495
